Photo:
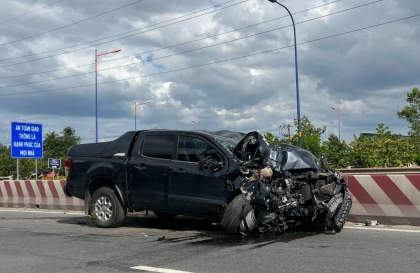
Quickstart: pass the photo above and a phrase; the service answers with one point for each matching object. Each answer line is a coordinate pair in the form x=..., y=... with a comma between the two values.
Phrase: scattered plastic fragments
x=371, y=222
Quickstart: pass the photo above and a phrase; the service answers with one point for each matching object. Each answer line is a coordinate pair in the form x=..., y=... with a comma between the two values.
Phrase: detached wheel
x=108, y=210
x=164, y=215
x=237, y=210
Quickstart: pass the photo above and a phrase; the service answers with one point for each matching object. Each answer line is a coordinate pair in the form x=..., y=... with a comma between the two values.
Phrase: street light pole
x=196, y=122
x=338, y=112
x=135, y=112
x=297, y=76
x=96, y=85
x=93, y=131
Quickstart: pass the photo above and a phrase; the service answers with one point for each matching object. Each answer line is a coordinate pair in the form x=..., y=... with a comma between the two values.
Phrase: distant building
x=372, y=135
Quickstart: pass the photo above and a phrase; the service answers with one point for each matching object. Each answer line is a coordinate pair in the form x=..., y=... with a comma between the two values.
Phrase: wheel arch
x=99, y=183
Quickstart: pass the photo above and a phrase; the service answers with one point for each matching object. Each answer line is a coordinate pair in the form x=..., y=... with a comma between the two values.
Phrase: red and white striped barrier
x=387, y=198
x=43, y=194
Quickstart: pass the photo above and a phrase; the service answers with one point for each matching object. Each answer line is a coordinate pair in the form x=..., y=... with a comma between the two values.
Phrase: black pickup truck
x=225, y=176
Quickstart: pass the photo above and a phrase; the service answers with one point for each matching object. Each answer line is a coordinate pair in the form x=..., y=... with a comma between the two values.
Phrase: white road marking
x=384, y=229
x=157, y=269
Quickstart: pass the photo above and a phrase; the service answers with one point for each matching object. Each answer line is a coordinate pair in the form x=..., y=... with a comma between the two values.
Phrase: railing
x=6, y=178
x=401, y=170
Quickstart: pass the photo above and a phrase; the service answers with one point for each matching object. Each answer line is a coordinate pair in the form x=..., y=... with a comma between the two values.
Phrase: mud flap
x=88, y=198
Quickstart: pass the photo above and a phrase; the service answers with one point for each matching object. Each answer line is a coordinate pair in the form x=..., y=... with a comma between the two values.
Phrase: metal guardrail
x=401, y=170
x=6, y=178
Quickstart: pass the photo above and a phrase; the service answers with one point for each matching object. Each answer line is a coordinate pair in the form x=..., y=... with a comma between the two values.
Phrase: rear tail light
x=67, y=168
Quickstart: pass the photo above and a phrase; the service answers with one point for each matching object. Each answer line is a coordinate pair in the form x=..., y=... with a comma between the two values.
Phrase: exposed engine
x=284, y=186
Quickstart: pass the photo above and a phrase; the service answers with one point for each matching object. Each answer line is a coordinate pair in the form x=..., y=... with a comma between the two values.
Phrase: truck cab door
x=194, y=191
x=148, y=171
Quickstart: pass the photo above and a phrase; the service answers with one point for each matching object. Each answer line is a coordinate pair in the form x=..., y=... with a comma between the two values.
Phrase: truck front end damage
x=284, y=186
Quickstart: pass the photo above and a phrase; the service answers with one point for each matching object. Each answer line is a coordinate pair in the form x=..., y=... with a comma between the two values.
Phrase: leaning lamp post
x=196, y=122
x=338, y=112
x=297, y=76
x=96, y=85
x=135, y=112
x=93, y=131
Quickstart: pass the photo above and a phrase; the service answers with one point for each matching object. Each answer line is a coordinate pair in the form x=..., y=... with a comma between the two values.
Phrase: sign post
x=54, y=164
x=26, y=142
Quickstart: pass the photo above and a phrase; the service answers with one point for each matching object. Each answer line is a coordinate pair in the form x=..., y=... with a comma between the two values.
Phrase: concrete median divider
x=389, y=195
x=389, y=198
x=42, y=194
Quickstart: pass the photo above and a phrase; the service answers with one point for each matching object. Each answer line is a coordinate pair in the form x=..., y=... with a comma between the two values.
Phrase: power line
x=191, y=50
x=216, y=62
x=158, y=49
x=100, y=137
x=96, y=44
x=18, y=24
x=30, y=12
x=75, y=23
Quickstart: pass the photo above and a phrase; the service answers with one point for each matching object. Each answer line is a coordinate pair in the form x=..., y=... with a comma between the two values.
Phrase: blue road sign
x=54, y=163
x=26, y=140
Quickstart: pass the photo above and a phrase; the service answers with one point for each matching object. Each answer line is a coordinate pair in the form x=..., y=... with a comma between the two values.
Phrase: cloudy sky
x=225, y=64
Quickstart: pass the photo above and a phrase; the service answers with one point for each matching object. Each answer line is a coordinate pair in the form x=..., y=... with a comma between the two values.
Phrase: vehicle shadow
x=205, y=232
x=150, y=221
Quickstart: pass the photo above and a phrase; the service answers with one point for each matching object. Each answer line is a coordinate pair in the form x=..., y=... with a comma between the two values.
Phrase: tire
x=164, y=215
x=107, y=208
x=237, y=210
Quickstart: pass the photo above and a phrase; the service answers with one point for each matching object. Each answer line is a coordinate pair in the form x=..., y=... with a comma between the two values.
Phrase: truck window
x=188, y=149
x=191, y=149
x=159, y=146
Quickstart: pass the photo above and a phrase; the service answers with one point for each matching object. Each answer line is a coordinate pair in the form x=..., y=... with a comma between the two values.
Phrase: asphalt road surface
x=40, y=241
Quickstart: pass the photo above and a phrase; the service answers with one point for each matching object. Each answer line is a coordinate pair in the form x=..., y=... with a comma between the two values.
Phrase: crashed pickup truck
x=236, y=179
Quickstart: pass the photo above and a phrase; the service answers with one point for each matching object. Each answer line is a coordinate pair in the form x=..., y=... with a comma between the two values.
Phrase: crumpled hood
x=254, y=148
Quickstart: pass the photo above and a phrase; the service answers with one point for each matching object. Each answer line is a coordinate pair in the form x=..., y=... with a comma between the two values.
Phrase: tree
x=271, y=138
x=384, y=150
x=311, y=136
x=56, y=145
x=411, y=114
x=338, y=153
x=7, y=164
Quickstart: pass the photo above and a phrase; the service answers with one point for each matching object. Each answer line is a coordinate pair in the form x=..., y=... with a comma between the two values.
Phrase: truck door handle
x=140, y=167
x=180, y=171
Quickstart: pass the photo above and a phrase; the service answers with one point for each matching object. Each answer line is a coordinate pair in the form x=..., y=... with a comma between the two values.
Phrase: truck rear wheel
x=107, y=208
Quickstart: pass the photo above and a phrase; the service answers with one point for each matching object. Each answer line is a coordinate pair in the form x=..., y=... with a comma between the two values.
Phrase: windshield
x=227, y=139
x=227, y=143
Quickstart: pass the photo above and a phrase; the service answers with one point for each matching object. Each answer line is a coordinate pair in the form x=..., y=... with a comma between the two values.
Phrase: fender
x=88, y=196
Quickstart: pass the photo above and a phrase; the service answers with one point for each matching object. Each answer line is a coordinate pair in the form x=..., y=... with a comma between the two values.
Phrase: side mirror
x=209, y=163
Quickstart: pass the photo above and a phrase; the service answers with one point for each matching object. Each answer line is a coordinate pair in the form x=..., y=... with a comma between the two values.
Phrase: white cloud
x=366, y=73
